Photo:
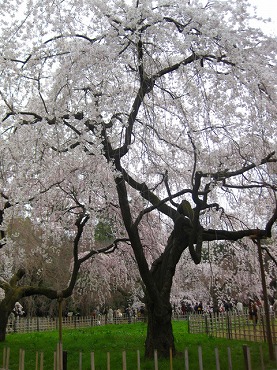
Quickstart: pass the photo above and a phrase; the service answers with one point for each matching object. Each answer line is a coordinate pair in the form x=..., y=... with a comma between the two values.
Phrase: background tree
x=45, y=216
x=182, y=120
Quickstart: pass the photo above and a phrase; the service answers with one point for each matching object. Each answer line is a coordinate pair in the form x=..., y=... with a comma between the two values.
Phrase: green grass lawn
x=130, y=338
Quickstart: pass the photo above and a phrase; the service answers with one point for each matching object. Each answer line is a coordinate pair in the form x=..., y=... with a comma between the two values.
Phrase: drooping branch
x=226, y=174
x=105, y=250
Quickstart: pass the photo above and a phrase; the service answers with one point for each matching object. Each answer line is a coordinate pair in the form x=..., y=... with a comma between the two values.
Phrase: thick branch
x=133, y=233
x=212, y=234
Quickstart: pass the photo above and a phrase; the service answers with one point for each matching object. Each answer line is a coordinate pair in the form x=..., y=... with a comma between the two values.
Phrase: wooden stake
x=246, y=355
x=21, y=359
x=92, y=362
x=230, y=366
x=217, y=359
x=7, y=358
x=41, y=361
x=186, y=359
x=80, y=361
x=156, y=359
x=124, y=364
x=138, y=360
x=200, y=358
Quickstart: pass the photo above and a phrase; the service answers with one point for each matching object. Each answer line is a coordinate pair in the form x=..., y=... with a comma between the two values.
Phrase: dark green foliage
x=103, y=231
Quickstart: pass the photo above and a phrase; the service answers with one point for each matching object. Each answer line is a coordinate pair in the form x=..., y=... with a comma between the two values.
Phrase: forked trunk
x=159, y=331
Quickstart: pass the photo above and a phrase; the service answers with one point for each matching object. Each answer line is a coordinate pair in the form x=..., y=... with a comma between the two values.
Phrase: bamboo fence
x=231, y=325
x=228, y=325
x=33, y=324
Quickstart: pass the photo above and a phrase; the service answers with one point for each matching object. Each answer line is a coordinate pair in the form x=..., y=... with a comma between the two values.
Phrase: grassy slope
x=116, y=338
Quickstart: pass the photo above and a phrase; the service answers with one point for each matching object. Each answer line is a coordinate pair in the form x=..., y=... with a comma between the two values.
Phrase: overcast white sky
x=267, y=9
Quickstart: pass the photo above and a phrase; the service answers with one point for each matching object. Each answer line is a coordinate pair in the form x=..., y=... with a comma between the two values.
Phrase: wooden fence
x=225, y=325
x=233, y=326
x=59, y=362
x=33, y=324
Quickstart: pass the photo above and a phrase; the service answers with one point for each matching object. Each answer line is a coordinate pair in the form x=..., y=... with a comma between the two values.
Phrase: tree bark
x=4, y=314
x=159, y=330
x=6, y=307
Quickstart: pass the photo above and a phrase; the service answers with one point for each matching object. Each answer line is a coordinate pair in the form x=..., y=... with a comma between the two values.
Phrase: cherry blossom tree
x=61, y=212
x=169, y=105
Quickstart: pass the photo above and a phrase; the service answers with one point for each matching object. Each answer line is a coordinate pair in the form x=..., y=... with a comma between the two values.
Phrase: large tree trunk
x=158, y=279
x=3, y=324
x=159, y=331
x=5, y=310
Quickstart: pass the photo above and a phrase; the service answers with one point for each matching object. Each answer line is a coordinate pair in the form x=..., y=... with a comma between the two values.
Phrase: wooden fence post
x=21, y=359
x=124, y=364
x=36, y=360
x=92, y=361
x=246, y=355
x=156, y=359
x=217, y=359
x=41, y=361
x=230, y=367
x=200, y=358
x=138, y=360
x=6, y=358
x=186, y=359
x=59, y=357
